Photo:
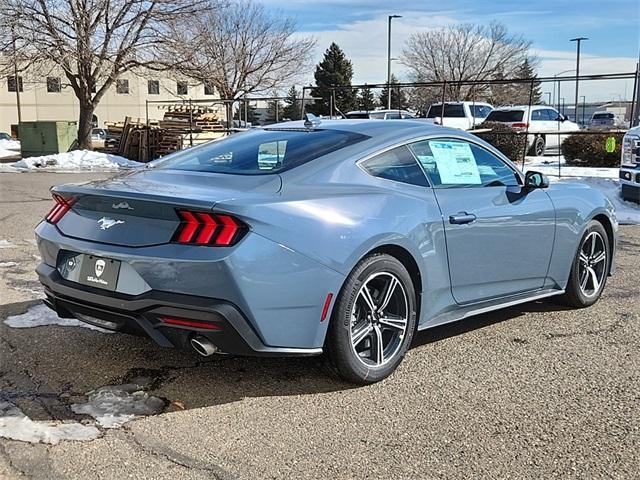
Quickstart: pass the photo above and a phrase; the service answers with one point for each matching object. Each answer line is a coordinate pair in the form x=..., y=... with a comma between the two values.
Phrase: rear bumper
x=144, y=313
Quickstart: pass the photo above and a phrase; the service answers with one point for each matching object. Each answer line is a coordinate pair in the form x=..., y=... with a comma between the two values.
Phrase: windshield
x=357, y=115
x=602, y=116
x=454, y=110
x=260, y=152
x=506, y=116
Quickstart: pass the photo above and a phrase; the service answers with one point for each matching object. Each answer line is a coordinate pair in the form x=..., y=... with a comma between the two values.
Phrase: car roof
x=523, y=107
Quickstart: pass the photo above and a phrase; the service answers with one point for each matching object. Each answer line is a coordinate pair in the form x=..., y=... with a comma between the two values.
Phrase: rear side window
x=260, y=152
x=456, y=163
x=506, y=116
x=540, y=115
x=397, y=164
x=450, y=111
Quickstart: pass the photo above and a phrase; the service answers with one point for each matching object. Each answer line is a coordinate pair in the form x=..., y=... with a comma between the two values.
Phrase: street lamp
x=390, y=17
x=578, y=41
x=558, y=82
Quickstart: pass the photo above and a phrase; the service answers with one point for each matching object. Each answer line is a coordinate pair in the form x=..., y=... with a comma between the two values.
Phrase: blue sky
x=359, y=27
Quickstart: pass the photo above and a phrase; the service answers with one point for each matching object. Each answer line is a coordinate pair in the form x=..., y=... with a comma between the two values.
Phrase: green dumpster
x=46, y=137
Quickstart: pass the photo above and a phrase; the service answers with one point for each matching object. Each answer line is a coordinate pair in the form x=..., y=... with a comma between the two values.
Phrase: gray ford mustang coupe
x=342, y=237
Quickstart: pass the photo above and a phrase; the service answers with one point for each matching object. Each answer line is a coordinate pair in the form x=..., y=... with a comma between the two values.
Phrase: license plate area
x=90, y=270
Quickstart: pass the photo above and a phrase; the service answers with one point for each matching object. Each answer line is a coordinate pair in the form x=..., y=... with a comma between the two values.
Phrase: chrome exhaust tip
x=203, y=346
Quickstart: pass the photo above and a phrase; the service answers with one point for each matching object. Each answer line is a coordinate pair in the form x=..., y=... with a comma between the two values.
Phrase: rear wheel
x=590, y=268
x=539, y=146
x=373, y=321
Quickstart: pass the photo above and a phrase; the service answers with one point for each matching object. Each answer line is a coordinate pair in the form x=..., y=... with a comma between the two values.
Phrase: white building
x=52, y=98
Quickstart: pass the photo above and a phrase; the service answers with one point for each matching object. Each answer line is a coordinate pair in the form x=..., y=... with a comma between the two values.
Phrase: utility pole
x=391, y=17
x=578, y=41
x=15, y=72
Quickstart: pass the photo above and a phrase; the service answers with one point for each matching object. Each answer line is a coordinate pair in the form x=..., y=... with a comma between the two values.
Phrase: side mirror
x=535, y=180
x=563, y=118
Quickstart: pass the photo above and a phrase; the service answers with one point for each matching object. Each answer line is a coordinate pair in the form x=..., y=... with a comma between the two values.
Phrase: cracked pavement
x=535, y=391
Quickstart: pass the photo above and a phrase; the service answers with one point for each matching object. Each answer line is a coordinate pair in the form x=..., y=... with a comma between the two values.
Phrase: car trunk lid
x=140, y=209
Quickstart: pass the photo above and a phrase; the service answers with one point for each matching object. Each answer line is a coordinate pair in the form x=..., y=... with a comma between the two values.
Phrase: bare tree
x=239, y=49
x=465, y=52
x=93, y=42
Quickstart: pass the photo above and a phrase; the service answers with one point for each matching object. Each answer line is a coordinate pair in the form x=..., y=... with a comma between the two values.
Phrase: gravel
x=535, y=391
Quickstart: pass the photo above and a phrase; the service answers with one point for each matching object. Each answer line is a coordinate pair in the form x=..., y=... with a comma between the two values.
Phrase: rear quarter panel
x=576, y=205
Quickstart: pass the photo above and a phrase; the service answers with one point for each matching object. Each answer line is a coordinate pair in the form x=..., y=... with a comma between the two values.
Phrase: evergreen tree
x=399, y=99
x=274, y=112
x=252, y=116
x=366, y=99
x=524, y=89
x=292, y=105
x=335, y=69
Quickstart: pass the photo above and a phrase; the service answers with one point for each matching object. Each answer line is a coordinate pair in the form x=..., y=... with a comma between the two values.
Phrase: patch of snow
x=114, y=405
x=6, y=244
x=41, y=315
x=14, y=424
x=7, y=264
x=76, y=160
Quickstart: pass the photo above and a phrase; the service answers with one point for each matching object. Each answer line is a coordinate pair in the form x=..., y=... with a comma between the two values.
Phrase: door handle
x=461, y=218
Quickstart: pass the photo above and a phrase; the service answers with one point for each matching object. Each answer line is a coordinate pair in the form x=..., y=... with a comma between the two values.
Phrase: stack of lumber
x=180, y=126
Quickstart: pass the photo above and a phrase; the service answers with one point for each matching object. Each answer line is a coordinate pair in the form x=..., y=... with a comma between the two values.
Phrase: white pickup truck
x=462, y=115
x=630, y=165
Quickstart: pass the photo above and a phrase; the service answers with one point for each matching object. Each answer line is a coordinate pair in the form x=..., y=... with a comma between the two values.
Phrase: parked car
x=630, y=165
x=546, y=126
x=379, y=114
x=357, y=236
x=605, y=121
x=462, y=115
x=98, y=137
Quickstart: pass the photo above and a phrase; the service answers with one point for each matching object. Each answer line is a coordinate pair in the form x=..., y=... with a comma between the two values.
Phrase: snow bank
x=41, y=315
x=603, y=179
x=17, y=426
x=114, y=405
x=76, y=160
x=6, y=244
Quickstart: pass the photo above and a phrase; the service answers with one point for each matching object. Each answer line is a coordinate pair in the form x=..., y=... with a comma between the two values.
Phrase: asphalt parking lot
x=535, y=391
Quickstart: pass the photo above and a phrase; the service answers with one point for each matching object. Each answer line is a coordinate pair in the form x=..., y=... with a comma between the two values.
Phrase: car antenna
x=311, y=121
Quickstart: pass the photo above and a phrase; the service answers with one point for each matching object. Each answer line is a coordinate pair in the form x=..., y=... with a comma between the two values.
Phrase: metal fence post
x=528, y=120
x=444, y=93
x=190, y=123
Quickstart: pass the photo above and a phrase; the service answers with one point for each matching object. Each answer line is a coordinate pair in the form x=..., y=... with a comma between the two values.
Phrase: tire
x=539, y=146
x=588, y=267
x=356, y=330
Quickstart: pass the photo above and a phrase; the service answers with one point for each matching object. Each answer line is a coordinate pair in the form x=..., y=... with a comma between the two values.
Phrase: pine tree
x=366, y=99
x=334, y=70
x=399, y=99
x=524, y=89
x=274, y=112
x=292, y=105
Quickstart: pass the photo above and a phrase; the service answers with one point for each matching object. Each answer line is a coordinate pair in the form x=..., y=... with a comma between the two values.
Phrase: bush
x=588, y=150
x=505, y=139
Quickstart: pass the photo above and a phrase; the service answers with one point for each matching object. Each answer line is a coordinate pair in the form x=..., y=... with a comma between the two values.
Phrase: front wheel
x=590, y=268
x=373, y=321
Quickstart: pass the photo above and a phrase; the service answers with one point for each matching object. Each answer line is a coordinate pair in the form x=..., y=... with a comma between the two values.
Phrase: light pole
x=558, y=83
x=584, y=100
x=391, y=17
x=578, y=41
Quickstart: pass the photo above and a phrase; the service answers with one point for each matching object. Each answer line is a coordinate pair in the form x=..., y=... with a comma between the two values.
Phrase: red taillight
x=203, y=228
x=185, y=322
x=59, y=210
x=520, y=125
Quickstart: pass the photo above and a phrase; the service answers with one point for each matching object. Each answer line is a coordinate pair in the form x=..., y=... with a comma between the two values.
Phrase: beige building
x=52, y=98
